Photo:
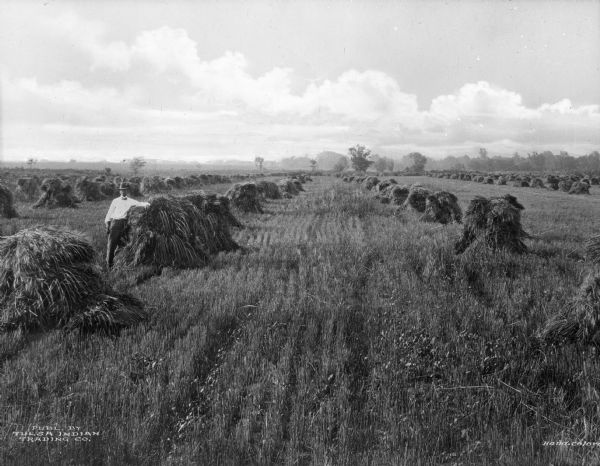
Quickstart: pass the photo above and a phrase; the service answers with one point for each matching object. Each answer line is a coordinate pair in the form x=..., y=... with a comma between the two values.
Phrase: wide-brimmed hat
x=123, y=186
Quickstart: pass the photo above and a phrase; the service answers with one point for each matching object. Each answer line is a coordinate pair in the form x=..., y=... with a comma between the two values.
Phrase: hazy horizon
x=233, y=80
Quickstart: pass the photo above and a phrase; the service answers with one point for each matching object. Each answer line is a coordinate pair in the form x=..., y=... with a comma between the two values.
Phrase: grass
x=342, y=334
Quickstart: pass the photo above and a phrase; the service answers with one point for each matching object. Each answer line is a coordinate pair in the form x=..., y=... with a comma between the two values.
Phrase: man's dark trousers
x=115, y=233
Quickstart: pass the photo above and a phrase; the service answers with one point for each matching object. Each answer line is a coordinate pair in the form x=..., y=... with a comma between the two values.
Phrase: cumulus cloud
x=481, y=99
x=90, y=37
x=566, y=107
x=366, y=95
x=169, y=91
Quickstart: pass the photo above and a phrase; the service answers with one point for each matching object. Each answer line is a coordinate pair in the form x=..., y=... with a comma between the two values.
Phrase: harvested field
x=337, y=316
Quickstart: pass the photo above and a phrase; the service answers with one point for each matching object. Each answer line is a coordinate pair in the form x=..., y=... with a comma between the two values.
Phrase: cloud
x=566, y=107
x=90, y=37
x=167, y=48
x=367, y=95
x=157, y=88
x=480, y=99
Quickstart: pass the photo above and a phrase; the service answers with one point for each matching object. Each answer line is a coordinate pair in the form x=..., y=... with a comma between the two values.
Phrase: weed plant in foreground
x=341, y=334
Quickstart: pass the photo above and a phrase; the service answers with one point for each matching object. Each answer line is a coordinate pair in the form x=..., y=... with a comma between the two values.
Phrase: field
x=341, y=334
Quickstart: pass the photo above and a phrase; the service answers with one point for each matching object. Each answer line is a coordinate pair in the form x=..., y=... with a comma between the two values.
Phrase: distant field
x=342, y=334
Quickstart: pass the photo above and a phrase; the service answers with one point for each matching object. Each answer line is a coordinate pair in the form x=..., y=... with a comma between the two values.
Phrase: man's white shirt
x=119, y=207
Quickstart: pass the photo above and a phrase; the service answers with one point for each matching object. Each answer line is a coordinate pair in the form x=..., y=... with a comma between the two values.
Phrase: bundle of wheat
x=7, y=203
x=494, y=222
x=179, y=183
x=382, y=185
x=287, y=188
x=398, y=194
x=442, y=207
x=153, y=185
x=520, y=184
x=501, y=181
x=552, y=182
x=223, y=205
x=298, y=185
x=48, y=278
x=216, y=219
x=170, y=183
x=213, y=203
x=580, y=322
x=27, y=189
x=108, y=189
x=565, y=185
x=87, y=190
x=164, y=234
x=370, y=182
x=245, y=197
x=56, y=193
x=302, y=178
x=417, y=198
x=268, y=189
x=133, y=189
x=537, y=183
x=579, y=187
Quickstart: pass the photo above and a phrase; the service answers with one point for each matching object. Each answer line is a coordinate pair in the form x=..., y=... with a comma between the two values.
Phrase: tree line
x=532, y=162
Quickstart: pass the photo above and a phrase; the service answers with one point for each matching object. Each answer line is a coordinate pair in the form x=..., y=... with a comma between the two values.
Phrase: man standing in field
x=116, y=221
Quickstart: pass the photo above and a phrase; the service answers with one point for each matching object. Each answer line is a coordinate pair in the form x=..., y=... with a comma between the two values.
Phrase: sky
x=196, y=81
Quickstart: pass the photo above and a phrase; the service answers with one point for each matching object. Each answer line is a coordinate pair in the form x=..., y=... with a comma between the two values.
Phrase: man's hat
x=123, y=186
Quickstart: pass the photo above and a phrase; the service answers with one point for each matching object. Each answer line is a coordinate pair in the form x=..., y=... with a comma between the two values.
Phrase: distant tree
x=378, y=163
x=592, y=162
x=136, y=164
x=537, y=161
x=341, y=164
x=107, y=171
x=259, y=161
x=31, y=162
x=418, y=162
x=313, y=164
x=383, y=164
x=390, y=164
x=483, y=153
x=359, y=158
x=566, y=162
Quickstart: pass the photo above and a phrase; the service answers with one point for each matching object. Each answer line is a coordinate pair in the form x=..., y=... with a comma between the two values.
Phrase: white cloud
x=480, y=99
x=368, y=95
x=89, y=36
x=565, y=107
x=167, y=48
x=169, y=93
